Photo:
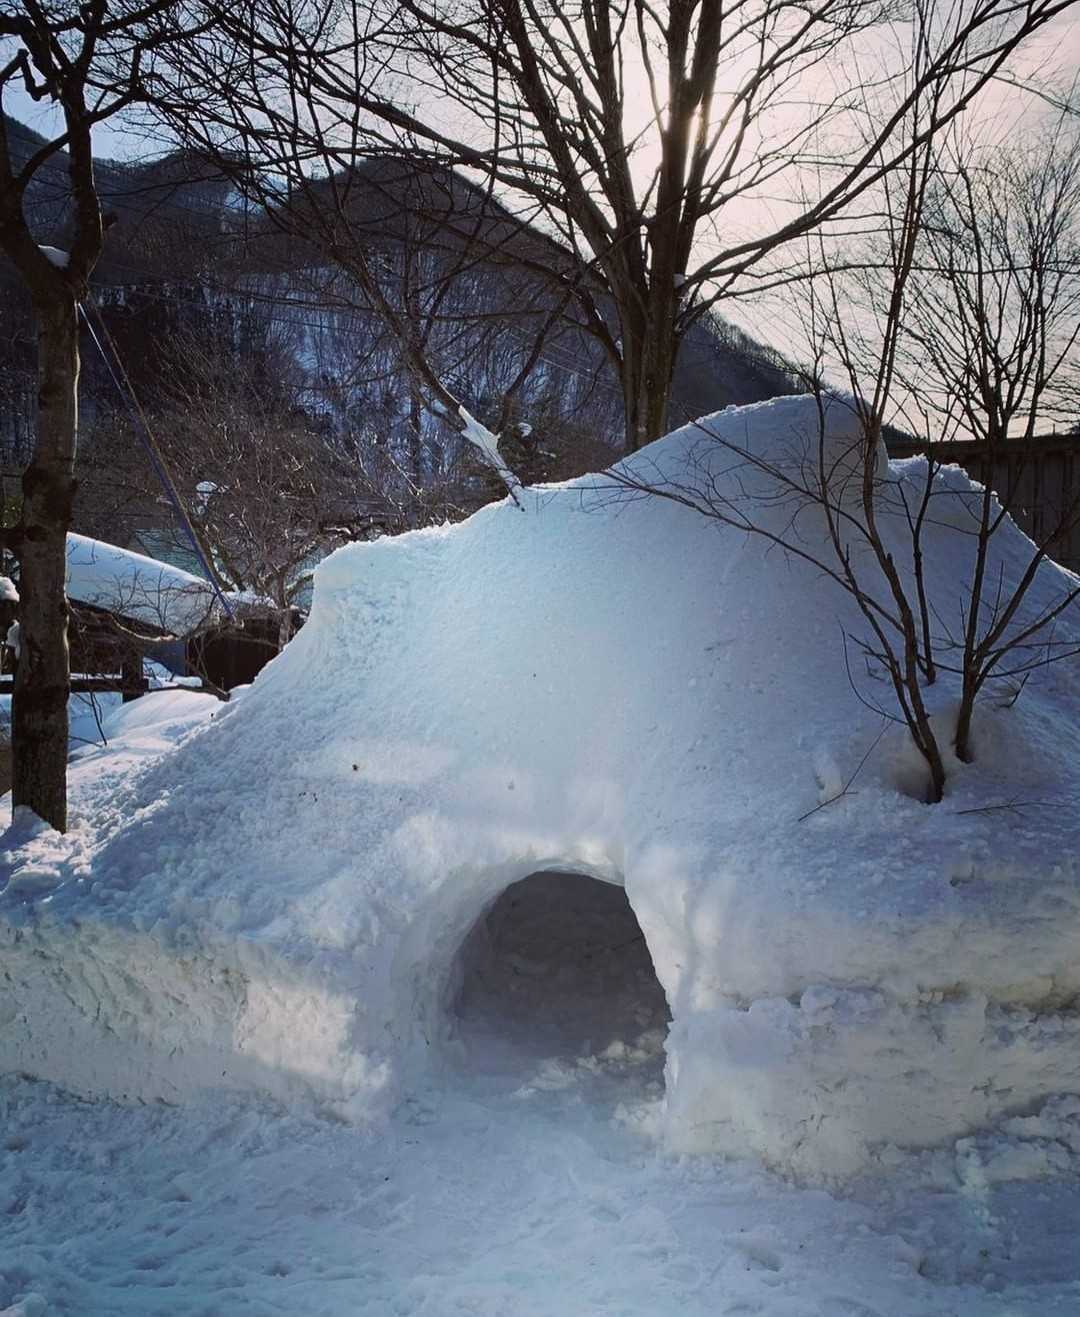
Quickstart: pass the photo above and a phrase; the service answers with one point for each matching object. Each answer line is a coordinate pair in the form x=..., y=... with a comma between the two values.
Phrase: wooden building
x=1038, y=482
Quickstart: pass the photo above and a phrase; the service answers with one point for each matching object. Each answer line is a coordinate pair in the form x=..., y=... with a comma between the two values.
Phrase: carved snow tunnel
x=557, y=966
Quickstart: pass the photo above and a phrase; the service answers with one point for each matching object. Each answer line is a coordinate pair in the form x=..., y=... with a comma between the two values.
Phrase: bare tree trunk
x=964, y=716
x=647, y=367
x=39, y=712
x=416, y=431
x=86, y=62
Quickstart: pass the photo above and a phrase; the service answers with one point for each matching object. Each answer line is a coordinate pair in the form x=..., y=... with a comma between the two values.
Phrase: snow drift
x=612, y=687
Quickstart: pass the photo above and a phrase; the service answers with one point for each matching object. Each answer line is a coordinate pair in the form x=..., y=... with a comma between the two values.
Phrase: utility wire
x=327, y=326
x=157, y=458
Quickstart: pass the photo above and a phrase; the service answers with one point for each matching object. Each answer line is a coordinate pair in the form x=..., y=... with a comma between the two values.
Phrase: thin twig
x=846, y=791
x=1009, y=806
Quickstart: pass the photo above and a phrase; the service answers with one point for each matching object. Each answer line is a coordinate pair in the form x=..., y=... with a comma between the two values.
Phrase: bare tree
x=264, y=491
x=89, y=61
x=375, y=244
x=969, y=318
x=987, y=352
x=486, y=333
x=675, y=153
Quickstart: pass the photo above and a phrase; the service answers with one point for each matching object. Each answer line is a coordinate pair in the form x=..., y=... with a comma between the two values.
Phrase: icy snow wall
x=613, y=686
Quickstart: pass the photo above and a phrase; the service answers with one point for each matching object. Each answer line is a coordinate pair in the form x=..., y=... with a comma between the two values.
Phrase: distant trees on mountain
x=186, y=257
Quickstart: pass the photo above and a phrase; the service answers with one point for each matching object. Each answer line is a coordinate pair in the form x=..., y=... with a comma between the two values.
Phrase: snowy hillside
x=309, y=897
x=187, y=258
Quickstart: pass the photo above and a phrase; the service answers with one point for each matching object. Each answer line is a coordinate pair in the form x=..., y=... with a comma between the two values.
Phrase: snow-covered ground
x=525, y=1180
x=534, y=1190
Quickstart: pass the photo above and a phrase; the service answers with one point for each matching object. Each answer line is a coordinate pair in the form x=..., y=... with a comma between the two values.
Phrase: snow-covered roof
x=143, y=589
x=617, y=686
x=55, y=256
x=8, y=593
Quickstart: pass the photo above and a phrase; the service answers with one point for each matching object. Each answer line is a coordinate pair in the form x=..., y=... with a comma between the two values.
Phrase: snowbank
x=610, y=686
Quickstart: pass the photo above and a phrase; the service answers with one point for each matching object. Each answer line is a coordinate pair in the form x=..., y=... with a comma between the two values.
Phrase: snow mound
x=614, y=687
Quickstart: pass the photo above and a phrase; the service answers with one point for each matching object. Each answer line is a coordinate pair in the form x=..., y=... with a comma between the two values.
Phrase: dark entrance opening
x=558, y=967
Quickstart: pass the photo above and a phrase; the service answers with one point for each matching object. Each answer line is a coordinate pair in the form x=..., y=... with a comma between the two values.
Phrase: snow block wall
x=607, y=685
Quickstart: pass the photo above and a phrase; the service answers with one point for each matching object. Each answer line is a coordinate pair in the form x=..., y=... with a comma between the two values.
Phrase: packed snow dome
x=541, y=783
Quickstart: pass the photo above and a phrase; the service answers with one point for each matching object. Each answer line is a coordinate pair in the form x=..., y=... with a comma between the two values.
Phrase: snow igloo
x=601, y=717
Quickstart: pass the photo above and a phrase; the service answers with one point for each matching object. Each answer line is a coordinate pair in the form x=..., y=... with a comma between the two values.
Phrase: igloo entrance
x=558, y=966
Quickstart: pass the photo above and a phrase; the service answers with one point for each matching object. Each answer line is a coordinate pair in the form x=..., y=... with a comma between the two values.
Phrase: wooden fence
x=1039, y=482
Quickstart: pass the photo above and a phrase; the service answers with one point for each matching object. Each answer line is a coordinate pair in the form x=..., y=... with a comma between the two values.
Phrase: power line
x=594, y=377
x=157, y=458
x=327, y=326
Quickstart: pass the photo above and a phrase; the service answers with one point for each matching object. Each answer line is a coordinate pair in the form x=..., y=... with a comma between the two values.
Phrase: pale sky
x=1056, y=48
